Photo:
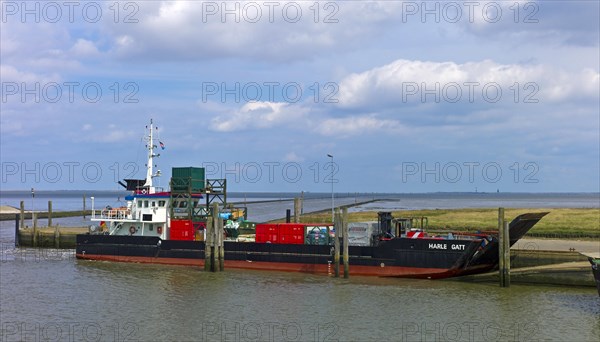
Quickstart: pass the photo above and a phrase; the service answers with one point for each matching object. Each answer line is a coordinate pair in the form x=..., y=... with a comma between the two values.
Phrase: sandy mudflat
x=5, y=209
x=587, y=247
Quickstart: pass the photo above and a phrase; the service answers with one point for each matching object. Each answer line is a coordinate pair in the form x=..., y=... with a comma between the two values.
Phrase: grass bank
x=559, y=223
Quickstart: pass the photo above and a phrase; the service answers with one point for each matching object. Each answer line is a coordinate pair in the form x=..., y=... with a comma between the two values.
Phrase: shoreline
x=560, y=223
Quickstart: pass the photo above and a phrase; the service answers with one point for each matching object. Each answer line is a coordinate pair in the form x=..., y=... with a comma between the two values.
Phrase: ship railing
x=115, y=214
x=143, y=190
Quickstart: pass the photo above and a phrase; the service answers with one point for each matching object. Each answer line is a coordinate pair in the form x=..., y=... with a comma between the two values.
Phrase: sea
x=49, y=295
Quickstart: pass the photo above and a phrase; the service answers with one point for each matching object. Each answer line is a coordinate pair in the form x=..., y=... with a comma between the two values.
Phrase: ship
x=167, y=227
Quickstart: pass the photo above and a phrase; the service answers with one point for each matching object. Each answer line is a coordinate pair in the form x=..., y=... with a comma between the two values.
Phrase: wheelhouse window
x=161, y=203
x=145, y=204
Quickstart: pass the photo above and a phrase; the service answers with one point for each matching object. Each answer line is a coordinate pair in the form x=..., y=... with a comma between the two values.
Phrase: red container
x=291, y=229
x=296, y=239
x=182, y=230
x=180, y=224
x=267, y=238
x=266, y=228
x=262, y=238
x=284, y=233
x=187, y=235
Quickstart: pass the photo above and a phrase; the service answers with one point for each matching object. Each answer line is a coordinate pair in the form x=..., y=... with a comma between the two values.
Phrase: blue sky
x=448, y=97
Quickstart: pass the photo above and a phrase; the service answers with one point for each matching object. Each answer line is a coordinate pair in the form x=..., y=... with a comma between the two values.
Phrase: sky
x=405, y=96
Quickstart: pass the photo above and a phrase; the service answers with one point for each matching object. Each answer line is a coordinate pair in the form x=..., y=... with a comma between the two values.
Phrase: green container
x=188, y=172
x=188, y=179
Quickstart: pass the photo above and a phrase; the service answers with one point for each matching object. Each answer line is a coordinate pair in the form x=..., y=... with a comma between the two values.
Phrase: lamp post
x=332, y=203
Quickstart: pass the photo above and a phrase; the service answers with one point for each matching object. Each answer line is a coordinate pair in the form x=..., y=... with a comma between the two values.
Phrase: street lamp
x=332, y=204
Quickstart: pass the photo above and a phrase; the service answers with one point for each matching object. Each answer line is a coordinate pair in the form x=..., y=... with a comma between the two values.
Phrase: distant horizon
x=328, y=193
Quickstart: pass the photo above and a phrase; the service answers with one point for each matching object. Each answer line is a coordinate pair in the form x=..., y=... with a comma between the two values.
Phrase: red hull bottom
x=385, y=271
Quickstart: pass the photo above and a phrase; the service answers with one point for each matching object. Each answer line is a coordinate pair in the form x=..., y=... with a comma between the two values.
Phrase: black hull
x=399, y=257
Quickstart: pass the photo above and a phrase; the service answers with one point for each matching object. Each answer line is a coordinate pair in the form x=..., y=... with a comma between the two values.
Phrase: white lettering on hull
x=444, y=246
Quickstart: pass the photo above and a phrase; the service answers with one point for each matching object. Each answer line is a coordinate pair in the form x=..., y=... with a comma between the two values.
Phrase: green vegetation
x=563, y=222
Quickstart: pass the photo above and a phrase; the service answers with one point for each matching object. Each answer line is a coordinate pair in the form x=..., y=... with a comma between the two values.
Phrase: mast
x=150, y=164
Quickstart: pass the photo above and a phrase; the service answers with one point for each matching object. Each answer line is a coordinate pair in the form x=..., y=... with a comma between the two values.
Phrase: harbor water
x=48, y=295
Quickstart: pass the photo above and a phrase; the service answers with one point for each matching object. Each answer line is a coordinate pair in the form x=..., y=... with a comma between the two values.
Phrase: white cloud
x=293, y=157
x=113, y=134
x=277, y=31
x=356, y=126
x=261, y=115
x=84, y=48
x=409, y=81
x=11, y=74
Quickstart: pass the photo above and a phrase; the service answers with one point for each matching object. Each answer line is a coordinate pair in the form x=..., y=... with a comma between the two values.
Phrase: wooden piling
x=502, y=238
x=336, y=242
x=296, y=210
x=345, y=241
x=506, y=255
x=22, y=208
x=215, y=247
x=50, y=214
x=221, y=233
x=84, y=206
x=222, y=249
x=218, y=252
x=34, y=238
x=17, y=221
x=288, y=215
x=208, y=242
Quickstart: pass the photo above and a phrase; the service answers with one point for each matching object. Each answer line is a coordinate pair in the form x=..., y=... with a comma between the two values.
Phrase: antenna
x=150, y=164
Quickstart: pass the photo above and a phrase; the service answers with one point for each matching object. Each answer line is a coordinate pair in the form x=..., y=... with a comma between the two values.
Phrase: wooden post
x=288, y=216
x=215, y=249
x=219, y=251
x=296, y=210
x=345, y=241
x=208, y=240
x=506, y=255
x=50, y=214
x=501, y=245
x=218, y=230
x=22, y=224
x=34, y=238
x=84, y=206
x=17, y=221
x=336, y=242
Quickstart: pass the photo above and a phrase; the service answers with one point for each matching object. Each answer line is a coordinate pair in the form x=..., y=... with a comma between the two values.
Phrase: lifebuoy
x=144, y=192
x=132, y=230
x=159, y=230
